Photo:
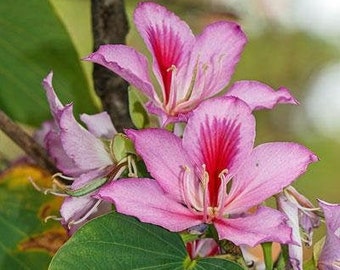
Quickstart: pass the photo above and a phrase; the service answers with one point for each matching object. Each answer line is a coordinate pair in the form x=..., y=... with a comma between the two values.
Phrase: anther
x=52, y=217
x=171, y=68
x=132, y=168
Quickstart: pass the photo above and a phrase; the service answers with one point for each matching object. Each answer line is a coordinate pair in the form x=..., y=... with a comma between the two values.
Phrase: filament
x=83, y=218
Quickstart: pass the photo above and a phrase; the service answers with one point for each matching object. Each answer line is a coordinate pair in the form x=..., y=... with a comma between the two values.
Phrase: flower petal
x=292, y=212
x=146, y=200
x=216, y=60
x=127, y=63
x=330, y=254
x=85, y=149
x=163, y=155
x=263, y=226
x=54, y=102
x=220, y=134
x=270, y=168
x=41, y=134
x=75, y=208
x=260, y=96
x=63, y=162
x=168, y=38
x=87, y=177
x=100, y=125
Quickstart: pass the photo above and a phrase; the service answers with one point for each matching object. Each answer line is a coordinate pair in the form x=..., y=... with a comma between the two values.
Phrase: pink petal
x=53, y=100
x=63, y=162
x=146, y=200
x=75, y=208
x=270, y=168
x=263, y=226
x=260, y=96
x=201, y=248
x=85, y=149
x=100, y=125
x=292, y=212
x=216, y=52
x=220, y=134
x=87, y=177
x=41, y=134
x=168, y=38
x=127, y=63
x=164, y=157
x=330, y=254
x=165, y=118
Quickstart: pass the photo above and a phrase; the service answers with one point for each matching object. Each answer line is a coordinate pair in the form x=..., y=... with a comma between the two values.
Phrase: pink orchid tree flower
x=188, y=68
x=330, y=255
x=302, y=219
x=213, y=175
x=201, y=248
x=80, y=154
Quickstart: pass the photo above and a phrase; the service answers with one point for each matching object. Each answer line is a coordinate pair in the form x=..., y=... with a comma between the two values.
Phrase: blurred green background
x=292, y=43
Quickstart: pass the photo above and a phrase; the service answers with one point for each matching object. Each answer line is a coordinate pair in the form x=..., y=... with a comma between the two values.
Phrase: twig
x=26, y=142
x=110, y=26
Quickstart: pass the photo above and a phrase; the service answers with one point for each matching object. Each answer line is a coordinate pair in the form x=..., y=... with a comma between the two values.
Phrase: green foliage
x=34, y=42
x=121, y=147
x=26, y=242
x=115, y=241
x=137, y=111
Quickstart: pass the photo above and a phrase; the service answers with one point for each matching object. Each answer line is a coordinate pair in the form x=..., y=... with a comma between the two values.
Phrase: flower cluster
x=211, y=175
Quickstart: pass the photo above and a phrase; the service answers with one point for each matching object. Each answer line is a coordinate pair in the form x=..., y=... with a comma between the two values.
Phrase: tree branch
x=27, y=143
x=110, y=26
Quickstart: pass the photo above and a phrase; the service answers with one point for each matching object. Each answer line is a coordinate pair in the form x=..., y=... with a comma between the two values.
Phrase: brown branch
x=26, y=142
x=110, y=26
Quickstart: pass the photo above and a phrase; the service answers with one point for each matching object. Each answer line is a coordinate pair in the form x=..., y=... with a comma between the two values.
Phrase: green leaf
x=26, y=242
x=138, y=113
x=34, y=42
x=216, y=264
x=122, y=146
x=115, y=241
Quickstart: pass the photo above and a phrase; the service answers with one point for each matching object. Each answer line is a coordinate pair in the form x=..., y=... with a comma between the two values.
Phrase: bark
x=27, y=143
x=110, y=26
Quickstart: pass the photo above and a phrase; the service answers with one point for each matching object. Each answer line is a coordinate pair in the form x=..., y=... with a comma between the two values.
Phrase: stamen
x=171, y=68
x=223, y=173
x=132, y=168
x=62, y=176
x=205, y=182
x=60, y=185
x=297, y=204
x=56, y=218
x=46, y=191
x=192, y=82
x=170, y=98
x=225, y=178
x=185, y=188
x=83, y=218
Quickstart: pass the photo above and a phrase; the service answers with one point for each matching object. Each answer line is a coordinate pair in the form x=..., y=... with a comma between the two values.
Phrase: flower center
x=197, y=194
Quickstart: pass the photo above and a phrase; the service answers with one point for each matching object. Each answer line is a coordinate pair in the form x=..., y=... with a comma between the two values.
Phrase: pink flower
x=201, y=248
x=213, y=175
x=188, y=68
x=330, y=254
x=79, y=153
x=302, y=220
